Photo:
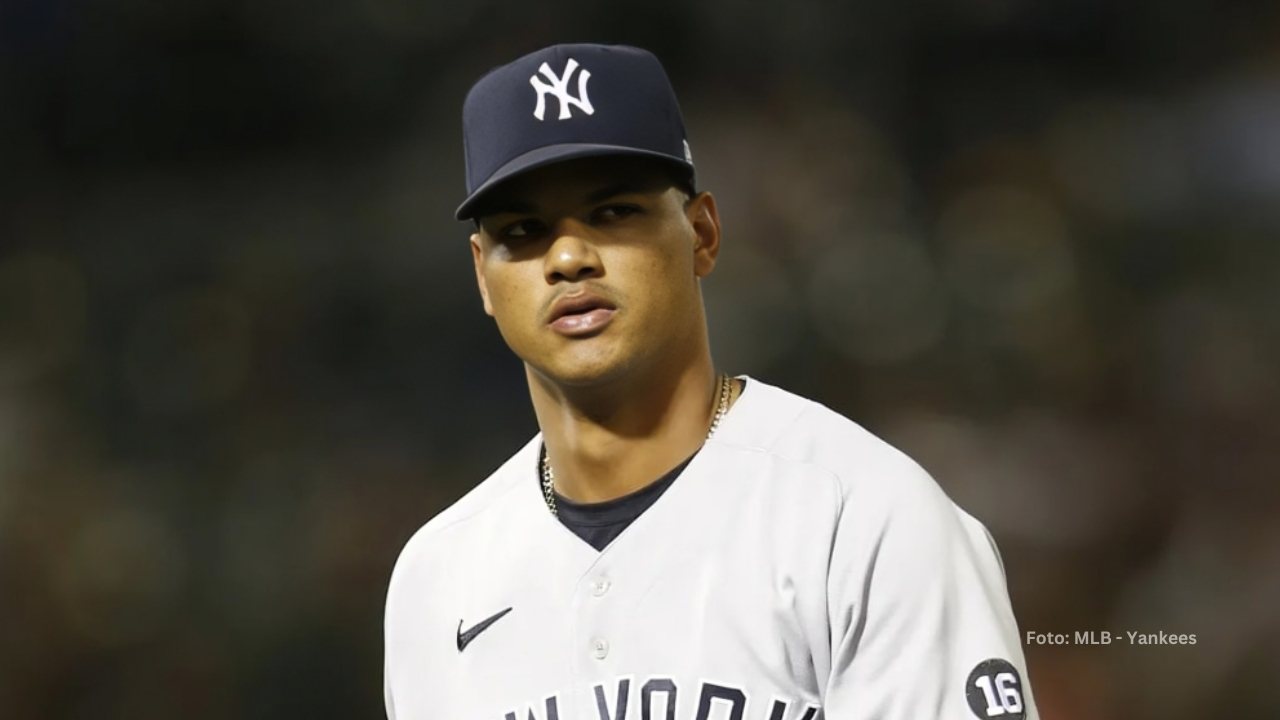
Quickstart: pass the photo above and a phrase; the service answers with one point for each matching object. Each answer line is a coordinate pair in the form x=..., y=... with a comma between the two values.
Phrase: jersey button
x=600, y=648
x=600, y=586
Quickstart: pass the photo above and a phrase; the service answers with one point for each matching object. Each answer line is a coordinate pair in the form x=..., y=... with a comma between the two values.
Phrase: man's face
x=590, y=267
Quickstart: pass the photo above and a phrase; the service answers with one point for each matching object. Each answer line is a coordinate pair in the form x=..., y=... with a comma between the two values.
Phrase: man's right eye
x=521, y=229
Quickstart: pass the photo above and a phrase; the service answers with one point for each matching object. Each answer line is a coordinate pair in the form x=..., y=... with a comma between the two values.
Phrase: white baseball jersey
x=799, y=568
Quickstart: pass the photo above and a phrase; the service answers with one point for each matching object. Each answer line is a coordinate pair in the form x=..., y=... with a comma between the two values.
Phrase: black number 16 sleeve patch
x=994, y=690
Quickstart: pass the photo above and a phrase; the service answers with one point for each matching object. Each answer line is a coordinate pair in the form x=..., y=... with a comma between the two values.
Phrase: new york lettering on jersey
x=659, y=698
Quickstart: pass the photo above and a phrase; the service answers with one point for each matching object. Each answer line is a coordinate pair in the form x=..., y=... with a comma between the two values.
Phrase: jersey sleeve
x=919, y=614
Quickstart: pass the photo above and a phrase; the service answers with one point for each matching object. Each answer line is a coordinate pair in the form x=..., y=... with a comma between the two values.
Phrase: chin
x=582, y=367
x=582, y=375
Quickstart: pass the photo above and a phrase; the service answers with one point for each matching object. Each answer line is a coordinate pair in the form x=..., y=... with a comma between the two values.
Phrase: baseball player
x=676, y=543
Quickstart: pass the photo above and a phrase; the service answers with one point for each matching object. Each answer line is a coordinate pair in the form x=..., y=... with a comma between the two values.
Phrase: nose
x=572, y=256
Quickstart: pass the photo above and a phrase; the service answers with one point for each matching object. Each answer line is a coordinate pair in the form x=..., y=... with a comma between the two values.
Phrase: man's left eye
x=616, y=212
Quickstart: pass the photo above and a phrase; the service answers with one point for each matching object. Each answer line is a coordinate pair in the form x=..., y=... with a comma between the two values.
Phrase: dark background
x=242, y=357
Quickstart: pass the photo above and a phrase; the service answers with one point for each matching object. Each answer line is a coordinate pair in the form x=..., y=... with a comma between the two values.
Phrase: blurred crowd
x=242, y=357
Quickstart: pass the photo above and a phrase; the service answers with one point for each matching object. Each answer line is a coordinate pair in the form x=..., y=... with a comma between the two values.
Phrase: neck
x=612, y=439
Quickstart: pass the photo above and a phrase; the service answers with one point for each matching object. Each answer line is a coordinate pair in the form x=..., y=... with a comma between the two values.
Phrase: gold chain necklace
x=549, y=477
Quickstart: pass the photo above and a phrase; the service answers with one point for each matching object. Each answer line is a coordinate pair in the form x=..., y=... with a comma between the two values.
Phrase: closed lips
x=578, y=304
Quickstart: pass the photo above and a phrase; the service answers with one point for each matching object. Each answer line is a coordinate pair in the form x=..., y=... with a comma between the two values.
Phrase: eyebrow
x=621, y=188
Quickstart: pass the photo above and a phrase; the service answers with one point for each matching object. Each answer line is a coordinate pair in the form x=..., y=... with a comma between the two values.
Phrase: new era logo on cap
x=565, y=102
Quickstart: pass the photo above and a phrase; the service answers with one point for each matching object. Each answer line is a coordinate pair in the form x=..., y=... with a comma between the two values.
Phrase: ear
x=705, y=219
x=477, y=259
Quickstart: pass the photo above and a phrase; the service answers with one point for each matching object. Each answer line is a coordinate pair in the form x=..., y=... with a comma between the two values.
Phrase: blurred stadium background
x=242, y=358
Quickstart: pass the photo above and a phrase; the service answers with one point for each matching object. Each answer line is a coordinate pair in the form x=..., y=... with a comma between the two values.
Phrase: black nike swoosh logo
x=465, y=638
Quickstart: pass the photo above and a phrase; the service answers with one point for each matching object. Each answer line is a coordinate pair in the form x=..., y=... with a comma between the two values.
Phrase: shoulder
x=872, y=477
x=491, y=496
x=789, y=426
x=883, y=498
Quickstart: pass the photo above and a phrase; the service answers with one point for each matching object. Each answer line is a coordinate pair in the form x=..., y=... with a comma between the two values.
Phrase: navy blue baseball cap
x=565, y=102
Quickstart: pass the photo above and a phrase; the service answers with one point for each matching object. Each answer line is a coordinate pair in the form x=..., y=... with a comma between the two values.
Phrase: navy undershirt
x=599, y=523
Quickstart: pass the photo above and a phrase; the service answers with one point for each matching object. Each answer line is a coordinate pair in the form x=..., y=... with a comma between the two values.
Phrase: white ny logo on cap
x=559, y=87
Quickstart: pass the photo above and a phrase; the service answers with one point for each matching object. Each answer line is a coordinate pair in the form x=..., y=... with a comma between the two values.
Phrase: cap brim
x=549, y=155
